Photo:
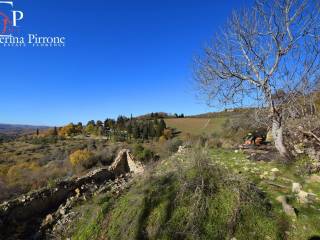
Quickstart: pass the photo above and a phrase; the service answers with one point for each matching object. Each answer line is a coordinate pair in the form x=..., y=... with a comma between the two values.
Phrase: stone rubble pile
x=55, y=224
x=19, y=218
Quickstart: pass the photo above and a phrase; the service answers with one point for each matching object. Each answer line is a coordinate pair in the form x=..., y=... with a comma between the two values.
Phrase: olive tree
x=270, y=48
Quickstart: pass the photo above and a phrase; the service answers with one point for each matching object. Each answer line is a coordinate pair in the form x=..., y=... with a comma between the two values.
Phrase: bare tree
x=272, y=46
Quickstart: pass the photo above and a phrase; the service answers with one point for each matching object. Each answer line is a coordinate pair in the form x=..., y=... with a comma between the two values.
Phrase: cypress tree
x=55, y=131
x=130, y=129
x=162, y=124
x=145, y=131
x=152, y=130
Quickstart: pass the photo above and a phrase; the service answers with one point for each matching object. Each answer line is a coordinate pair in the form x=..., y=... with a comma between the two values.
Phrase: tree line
x=121, y=129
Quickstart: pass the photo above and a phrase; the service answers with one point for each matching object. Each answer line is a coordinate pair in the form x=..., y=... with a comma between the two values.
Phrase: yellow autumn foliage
x=81, y=157
x=22, y=171
x=67, y=130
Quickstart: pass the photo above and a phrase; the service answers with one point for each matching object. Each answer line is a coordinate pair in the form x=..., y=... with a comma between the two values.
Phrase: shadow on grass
x=162, y=190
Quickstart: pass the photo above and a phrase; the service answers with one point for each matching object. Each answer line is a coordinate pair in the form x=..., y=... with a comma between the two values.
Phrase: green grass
x=307, y=222
x=200, y=196
x=187, y=198
x=90, y=228
x=88, y=225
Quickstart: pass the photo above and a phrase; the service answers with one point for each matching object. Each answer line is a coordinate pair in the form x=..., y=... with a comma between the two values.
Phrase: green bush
x=142, y=154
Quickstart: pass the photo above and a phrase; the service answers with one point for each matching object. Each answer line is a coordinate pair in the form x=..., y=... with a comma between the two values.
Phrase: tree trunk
x=277, y=132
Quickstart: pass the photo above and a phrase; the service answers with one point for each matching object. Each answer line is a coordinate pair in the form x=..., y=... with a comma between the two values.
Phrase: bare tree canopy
x=270, y=47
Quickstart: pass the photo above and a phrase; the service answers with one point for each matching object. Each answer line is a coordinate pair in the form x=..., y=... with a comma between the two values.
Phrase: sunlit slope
x=196, y=126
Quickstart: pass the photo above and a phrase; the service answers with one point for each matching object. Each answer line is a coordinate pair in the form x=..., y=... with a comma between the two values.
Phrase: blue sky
x=121, y=57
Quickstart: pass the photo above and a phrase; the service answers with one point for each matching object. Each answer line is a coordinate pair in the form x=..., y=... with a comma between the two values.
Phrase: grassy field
x=197, y=126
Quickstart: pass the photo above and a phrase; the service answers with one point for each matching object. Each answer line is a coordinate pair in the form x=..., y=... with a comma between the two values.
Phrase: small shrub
x=162, y=140
x=91, y=145
x=107, y=155
x=84, y=158
x=173, y=145
x=147, y=155
x=214, y=143
x=142, y=154
x=304, y=164
x=168, y=133
x=44, y=140
x=56, y=155
x=22, y=172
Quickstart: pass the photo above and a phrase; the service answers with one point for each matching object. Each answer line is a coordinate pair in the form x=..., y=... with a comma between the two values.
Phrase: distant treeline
x=120, y=129
x=160, y=115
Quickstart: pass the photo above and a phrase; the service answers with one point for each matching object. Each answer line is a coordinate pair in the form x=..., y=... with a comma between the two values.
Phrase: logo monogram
x=7, y=24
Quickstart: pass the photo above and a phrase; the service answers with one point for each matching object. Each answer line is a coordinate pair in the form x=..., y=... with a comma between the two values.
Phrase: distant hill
x=16, y=129
x=197, y=125
x=212, y=122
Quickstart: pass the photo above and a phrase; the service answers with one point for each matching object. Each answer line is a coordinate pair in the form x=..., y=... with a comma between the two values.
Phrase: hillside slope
x=16, y=129
x=183, y=197
x=197, y=126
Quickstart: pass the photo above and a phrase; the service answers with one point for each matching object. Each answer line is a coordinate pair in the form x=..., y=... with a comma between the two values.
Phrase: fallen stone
x=287, y=208
x=181, y=149
x=274, y=173
x=77, y=192
x=264, y=175
x=296, y=187
x=306, y=197
x=299, y=148
x=276, y=170
x=302, y=197
x=48, y=219
x=62, y=211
